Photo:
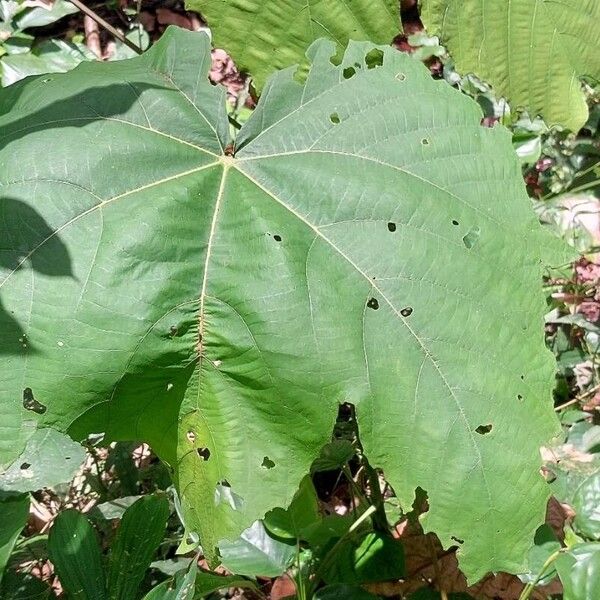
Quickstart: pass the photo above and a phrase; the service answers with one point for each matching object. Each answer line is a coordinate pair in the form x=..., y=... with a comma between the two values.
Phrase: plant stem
x=528, y=589
x=106, y=25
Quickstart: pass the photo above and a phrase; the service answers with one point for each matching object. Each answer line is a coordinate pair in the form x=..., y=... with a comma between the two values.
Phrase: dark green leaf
x=14, y=511
x=22, y=586
x=371, y=558
x=334, y=456
x=139, y=535
x=302, y=513
x=73, y=549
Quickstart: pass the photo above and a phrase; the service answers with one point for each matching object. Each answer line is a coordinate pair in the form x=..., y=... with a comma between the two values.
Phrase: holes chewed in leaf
x=267, y=463
x=191, y=436
x=173, y=330
x=373, y=303
x=25, y=466
x=483, y=429
x=391, y=226
x=30, y=403
x=349, y=72
x=454, y=222
x=401, y=77
x=470, y=239
x=457, y=540
x=334, y=118
x=374, y=58
x=406, y=312
x=277, y=238
x=519, y=397
x=425, y=142
x=203, y=453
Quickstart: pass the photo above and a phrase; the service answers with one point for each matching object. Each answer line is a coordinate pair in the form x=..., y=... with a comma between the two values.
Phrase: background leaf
x=546, y=46
x=282, y=30
x=14, y=510
x=73, y=549
x=257, y=553
x=49, y=458
x=141, y=530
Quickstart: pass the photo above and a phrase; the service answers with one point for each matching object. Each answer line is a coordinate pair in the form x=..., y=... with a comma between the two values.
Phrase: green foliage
x=370, y=558
x=256, y=553
x=49, y=458
x=533, y=52
x=356, y=248
x=279, y=31
x=14, y=510
x=22, y=55
x=73, y=549
x=579, y=572
x=586, y=502
x=140, y=533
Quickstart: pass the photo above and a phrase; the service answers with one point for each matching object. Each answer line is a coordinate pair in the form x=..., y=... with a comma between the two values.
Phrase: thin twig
x=90, y=13
x=579, y=398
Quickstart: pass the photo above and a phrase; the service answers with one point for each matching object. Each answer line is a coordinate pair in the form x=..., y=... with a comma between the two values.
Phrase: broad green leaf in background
x=141, y=530
x=586, y=503
x=364, y=241
x=39, y=16
x=265, y=36
x=545, y=545
x=51, y=56
x=49, y=458
x=75, y=553
x=533, y=52
x=256, y=553
x=14, y=510
x=579, y=572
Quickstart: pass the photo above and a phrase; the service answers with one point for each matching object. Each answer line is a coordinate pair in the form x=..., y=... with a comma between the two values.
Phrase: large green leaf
x=534, y=52
x=265, y=36
x=368, y=242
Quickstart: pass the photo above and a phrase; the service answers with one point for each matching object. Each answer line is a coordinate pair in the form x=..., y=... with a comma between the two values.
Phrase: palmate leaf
x=265, y=36
x=533, y=52
x=368, y=242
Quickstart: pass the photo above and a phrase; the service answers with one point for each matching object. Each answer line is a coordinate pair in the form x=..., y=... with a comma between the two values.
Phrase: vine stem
x=528, y=589
x=106, y=25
